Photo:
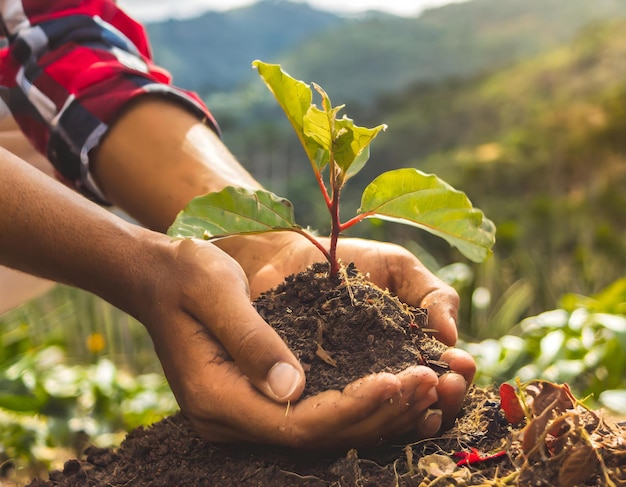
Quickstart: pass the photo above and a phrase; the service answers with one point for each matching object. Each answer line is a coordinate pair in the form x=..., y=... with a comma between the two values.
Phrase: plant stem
x=353, y=221
x=315, y=242
x=335, y=230
x=320, y=183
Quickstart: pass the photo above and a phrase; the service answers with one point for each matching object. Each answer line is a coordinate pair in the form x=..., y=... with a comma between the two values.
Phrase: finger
x=415, y=285
x=335, y=418
x=220, y=402
x=394, y=416
x=422, y=381
x=460, y=362
x=327, y=420
x=451, y=390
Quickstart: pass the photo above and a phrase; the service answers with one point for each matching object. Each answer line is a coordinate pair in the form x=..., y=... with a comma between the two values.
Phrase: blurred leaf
x=551, y=345
x=20, y=403
x=615, y=400
x=610, y=300
x=615, y=323
x=512, y=305
x=556, y=318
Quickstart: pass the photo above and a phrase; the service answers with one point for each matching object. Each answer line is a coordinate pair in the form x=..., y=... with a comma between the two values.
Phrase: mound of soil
x=344, y=329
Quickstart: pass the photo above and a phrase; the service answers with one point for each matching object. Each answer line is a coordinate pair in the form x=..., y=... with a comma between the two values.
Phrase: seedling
x=337, y=150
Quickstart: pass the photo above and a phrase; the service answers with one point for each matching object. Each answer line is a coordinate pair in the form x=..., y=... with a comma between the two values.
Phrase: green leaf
x=295, y=98
x=615, y=400
x=319, y=130
x=233, y=211
x=351, y=146
x=316, y=127
x=423, y=200
x=348, y=143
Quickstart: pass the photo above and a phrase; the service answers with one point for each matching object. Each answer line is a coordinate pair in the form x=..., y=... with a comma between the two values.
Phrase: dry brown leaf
x=580, y=463
x=544, y=395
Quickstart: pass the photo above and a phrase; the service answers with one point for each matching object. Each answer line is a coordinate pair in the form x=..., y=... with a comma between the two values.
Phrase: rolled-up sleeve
x=67, y=71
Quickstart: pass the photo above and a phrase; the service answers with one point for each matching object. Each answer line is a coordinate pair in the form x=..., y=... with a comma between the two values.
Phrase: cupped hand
x=235, y=379
x=268, y=258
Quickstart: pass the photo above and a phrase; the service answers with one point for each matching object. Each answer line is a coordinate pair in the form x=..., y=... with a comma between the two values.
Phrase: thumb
x=230, y=317
x=257, y=349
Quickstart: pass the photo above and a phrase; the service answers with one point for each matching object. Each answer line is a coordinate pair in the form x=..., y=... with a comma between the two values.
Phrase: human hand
x=268, y=258
x=220, y=359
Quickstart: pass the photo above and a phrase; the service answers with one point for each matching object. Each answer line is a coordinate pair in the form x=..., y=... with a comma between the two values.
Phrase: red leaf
x=474, y=456
x=511, y=405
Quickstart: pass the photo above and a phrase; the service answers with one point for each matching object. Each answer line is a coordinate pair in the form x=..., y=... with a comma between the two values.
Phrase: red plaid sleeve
x=68, y=70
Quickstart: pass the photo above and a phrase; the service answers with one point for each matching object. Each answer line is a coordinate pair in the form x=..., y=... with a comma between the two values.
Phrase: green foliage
x=68, y=375
x=539, y=147
x=338, y=145
x=583, y=343
x=53, y=403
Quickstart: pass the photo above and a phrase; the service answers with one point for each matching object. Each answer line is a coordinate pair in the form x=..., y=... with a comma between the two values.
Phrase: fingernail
x=283, y=379
x=432, y=422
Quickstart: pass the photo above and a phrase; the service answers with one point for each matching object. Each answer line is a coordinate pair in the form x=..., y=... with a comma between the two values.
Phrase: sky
x=151, y=10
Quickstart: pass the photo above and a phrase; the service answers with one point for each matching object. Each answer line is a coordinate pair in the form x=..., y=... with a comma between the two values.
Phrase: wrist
x=153, y=265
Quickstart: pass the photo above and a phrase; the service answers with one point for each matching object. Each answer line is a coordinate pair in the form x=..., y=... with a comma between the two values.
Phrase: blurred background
x=521, y=104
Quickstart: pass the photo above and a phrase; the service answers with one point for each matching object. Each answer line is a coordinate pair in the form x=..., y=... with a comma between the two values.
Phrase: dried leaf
x=531, y=435
x=562, y=431
x=543, y=395
x=580, y=464
x=537, y=429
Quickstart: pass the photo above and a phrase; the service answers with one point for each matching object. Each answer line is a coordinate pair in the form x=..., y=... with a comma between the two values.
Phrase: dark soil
x=557, y=443
x=343, y=329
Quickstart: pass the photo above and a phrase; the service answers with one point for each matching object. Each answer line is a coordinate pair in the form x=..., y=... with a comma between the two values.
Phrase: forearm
x=157, y=157
x=48, y=230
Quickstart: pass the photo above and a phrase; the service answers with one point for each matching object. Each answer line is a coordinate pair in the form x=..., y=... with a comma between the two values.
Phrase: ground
x=342, y=329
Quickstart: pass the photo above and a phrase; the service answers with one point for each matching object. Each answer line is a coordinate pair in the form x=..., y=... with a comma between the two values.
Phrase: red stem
x=353, y=221
x=315, y=242
x=335, y=230
x=320, y=183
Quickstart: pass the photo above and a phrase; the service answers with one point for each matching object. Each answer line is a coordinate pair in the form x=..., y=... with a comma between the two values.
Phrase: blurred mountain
x=214, y=52
x=356, y=58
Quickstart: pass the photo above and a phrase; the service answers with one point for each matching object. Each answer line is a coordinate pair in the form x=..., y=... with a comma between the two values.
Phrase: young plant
x=337, y=150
